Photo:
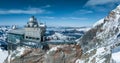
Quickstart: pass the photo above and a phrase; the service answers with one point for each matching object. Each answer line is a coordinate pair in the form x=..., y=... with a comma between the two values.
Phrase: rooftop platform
x=17, y=31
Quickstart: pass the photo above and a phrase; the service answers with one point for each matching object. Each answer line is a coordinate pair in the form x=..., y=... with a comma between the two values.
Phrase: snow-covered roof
x=42, y=25
x=17, y=31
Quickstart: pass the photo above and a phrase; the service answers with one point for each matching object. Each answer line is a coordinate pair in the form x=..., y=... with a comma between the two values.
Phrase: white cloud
x=63, y=18
x=100, y=2
x=24, y=11
x=101, y=5
x=82, y=11
x=101, y=9
x=46, y=6
x=74, y=18
x=48, y=17
x=77, y=18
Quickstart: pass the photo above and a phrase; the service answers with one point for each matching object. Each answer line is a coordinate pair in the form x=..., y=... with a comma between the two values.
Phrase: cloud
x=63, y=18
x=48, y=17
x=101, y=5
x=74, y=18
x=25, y=11
x=83, y=11
x=77, y=18
x=100, y=2
x=46, y=6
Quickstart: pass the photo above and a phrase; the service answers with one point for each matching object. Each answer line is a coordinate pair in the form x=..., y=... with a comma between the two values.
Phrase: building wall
x=33, y=34
x=15, y=38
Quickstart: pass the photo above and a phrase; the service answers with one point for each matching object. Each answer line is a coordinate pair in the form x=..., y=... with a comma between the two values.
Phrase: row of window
x=32, y=38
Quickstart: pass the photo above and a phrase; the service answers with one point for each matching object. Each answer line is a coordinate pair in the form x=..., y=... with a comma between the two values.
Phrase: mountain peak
x=117, y=10
x=102, y=31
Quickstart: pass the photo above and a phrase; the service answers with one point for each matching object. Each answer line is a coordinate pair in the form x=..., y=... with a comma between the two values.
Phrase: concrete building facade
x=33, y=31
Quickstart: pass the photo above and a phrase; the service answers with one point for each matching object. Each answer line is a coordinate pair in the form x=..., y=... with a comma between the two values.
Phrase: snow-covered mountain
x=3, y=32
x=105, y=33
x=76, y=32
x=59, y=36
x=3, y=37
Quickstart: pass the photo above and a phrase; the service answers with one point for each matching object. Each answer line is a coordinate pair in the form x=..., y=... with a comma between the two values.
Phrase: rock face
x=103, y=33
x=26, y=55
x=58, y=54
x=63, y=54
x=93, y=47
x=99, y=55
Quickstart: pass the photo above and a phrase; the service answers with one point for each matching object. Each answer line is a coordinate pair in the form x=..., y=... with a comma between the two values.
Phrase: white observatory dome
x=32, y=19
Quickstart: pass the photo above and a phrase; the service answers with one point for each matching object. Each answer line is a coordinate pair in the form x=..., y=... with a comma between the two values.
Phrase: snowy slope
x=116, y=57
x=104, y=33
x=99, y=56
x=58, y=36
x=3, y=34
x=3, y=55
x=98, y=22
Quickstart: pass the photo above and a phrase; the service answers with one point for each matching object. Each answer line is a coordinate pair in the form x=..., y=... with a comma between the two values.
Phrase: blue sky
x=55, y=12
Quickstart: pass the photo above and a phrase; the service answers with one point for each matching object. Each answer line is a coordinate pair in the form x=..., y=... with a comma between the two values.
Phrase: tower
x=34, y=31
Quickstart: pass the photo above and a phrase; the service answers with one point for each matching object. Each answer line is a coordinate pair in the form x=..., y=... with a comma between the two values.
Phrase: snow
x=42, y=25
x=117, y=10
x=98, y=22
x=99, y=55
x=30, y=43
x=17, y=53
x=100, y=50
x=53, y=49
x=79, y=61
x=102, y=61
x=58, y=36
x=58, y=41
x=109, y=28
x=116, y=49
x=9, y=58
x=20, y=50
x=116, y=54
x=107, y=33
x=116, y=57
x=84, y=29
x=3, y=55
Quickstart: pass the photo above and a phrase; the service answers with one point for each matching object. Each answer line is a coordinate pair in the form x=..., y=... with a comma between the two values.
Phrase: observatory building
x=33, y=31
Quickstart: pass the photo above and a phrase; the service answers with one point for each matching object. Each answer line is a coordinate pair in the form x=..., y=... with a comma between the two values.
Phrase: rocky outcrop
x=28, y=55
x=63, y=54
x=102, y=33
x=99, y=55
x=57, y=54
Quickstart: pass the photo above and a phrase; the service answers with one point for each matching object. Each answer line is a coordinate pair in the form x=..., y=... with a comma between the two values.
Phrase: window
x=37, y=38
x=30, y=37
x=26, y=36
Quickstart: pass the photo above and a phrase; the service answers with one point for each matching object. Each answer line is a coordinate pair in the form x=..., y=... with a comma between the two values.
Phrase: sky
x=73, y=13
